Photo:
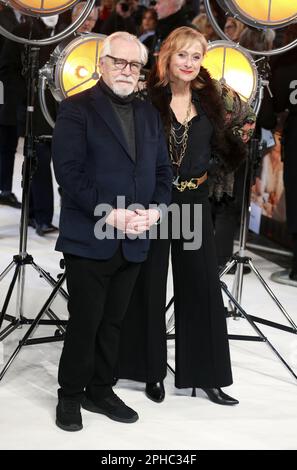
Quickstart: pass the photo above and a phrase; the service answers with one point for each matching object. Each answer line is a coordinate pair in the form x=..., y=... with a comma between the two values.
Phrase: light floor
x=266, y=417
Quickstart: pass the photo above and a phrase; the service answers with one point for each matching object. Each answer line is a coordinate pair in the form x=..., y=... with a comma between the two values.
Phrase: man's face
x=164, y=8
x=122, y=80
x=230, y=28
x=90, y=22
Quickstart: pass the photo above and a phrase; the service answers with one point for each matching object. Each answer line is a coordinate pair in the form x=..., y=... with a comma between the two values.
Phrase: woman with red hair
x=193, y=113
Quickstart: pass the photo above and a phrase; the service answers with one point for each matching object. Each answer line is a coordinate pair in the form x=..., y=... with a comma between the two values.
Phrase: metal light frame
x=57, y=37
x=52, y=73
x=23, y=7
x=243, y=15
x=225, y=45
x=221, y=33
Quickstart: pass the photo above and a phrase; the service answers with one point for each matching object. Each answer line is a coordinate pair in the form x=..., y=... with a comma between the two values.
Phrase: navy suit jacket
x=92, y=165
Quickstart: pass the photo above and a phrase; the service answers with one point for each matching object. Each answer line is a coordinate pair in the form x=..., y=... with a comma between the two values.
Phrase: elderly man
x=106, y=144
x=89, y=23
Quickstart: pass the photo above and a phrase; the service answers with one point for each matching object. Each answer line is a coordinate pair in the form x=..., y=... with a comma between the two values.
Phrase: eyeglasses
x=121, y=64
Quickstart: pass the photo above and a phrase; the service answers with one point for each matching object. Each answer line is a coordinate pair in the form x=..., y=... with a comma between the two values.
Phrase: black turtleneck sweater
x=123, y=108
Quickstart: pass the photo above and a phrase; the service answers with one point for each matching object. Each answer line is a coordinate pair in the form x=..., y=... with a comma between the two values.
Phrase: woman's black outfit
x=201, y=344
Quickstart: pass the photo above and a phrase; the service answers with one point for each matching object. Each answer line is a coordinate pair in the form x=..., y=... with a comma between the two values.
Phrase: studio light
x=76, y=67
x=41, y=7
x=73, y=67
x=230, y=64
x=269, y=13
x=261, y=14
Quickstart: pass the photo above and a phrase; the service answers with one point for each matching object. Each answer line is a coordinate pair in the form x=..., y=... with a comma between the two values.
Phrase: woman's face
x=148, y=22
x=185, y=64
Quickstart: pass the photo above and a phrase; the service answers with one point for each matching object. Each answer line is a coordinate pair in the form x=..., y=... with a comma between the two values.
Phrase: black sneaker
x=68, y=415
x=111, y=406
x=9, y=199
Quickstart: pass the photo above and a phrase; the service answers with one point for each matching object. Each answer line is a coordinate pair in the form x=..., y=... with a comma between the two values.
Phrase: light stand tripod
x=22, y=260
x=240, y=259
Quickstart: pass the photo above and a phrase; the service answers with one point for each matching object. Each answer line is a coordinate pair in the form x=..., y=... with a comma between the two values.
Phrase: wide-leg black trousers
x=201, y=346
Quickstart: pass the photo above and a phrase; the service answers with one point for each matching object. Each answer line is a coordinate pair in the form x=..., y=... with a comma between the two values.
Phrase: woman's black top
x=198, y=152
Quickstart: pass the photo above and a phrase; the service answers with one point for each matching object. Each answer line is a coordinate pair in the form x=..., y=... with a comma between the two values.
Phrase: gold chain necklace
x=175, y=141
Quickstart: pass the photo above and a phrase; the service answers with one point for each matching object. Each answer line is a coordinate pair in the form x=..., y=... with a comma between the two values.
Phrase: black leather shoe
x=31, y=222
x=293, y=275
x=44, y=229
x=9, y=199
x=246, y=269
x=111, y=406
x=68, y=416
x=155, y=391
x=218, y=396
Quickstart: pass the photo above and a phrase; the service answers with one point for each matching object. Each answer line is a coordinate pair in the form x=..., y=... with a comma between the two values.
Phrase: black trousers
x=201, y=344
x=42, y=194
x=99, y=293
x=8, y=146
x=226, y=219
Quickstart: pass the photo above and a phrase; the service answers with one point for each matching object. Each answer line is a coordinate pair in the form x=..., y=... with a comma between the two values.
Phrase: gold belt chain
x=193, y=183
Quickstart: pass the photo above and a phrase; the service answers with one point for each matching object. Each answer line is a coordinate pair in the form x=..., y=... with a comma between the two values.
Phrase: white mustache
x=119, y=79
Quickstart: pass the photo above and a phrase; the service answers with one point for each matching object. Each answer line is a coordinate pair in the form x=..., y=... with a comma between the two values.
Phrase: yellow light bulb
x=81, y=72
x=78, y=67
x=224, y=61
x=266, y=12
x=42, y=7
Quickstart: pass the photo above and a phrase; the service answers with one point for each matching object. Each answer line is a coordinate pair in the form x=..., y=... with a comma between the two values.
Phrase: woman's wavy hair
x=176, y=40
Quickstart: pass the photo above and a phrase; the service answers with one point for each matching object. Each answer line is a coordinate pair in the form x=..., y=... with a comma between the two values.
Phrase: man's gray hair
x=178, y=3
x=81, y=5
x=106, y=48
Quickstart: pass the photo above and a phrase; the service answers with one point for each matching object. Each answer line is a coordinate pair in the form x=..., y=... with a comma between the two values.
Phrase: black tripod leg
x=51, y=281
x=169, y=304
x=170, y=368
x=255, y=327
x=271, y=294
x=6, y=270
x=9, y=329
x=227, y=268
x=33, y=326
x=54, y=317
x=9, y=293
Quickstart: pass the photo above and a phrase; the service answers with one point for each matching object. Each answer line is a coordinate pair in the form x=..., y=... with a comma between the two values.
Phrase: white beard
x=123, y=89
